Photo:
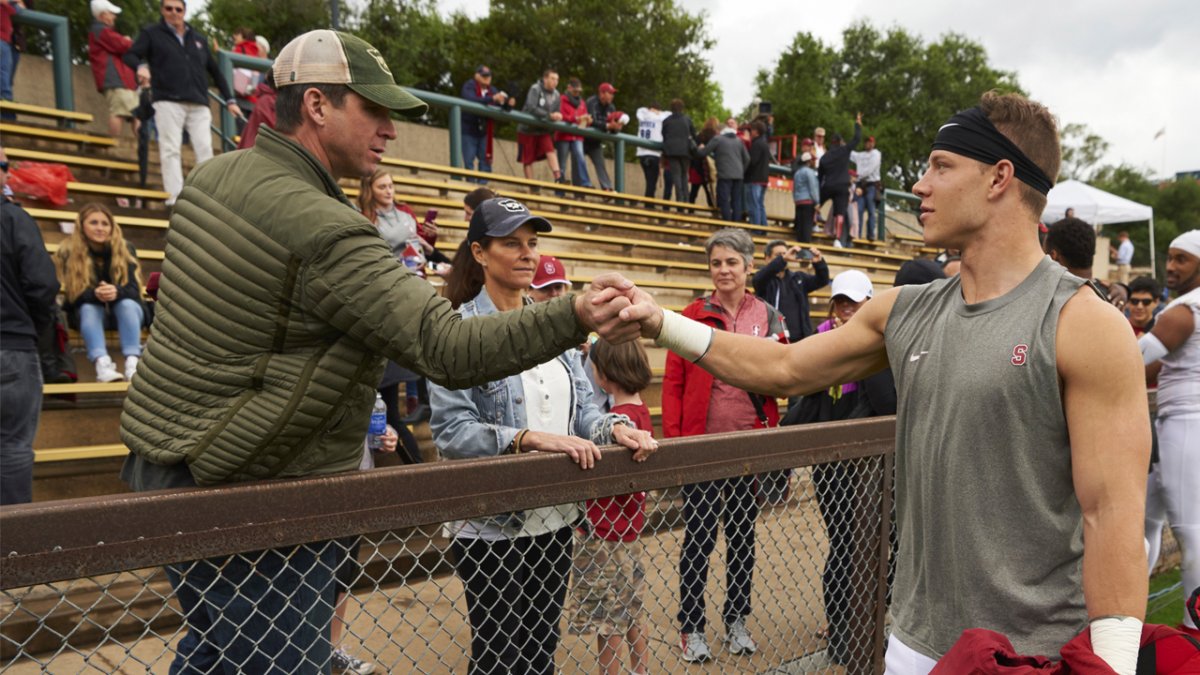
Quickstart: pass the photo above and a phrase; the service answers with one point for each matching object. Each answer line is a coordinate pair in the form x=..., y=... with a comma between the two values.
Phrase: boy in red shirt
x=608, y=573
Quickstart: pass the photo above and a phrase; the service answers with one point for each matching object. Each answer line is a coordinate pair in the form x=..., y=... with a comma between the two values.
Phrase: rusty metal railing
x=59, y=542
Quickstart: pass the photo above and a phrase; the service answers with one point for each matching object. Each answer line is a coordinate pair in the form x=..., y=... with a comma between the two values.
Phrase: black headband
x=972, y=134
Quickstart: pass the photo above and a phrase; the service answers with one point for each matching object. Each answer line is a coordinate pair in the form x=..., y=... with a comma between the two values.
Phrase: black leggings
x=515, y=590
x=804, y=222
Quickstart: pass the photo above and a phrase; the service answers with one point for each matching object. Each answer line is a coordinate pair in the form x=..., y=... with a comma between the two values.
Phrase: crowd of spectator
x=517, y=567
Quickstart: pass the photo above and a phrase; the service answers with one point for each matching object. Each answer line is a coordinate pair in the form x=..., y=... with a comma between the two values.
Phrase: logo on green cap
x=379, y=59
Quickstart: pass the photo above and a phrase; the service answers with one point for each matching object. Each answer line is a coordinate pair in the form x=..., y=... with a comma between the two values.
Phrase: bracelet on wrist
x=517, y=441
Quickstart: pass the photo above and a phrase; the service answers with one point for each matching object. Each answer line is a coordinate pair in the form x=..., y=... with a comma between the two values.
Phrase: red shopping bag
x=41, y=180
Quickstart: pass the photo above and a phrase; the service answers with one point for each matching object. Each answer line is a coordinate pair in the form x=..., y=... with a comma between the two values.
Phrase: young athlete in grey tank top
x=1020, y=470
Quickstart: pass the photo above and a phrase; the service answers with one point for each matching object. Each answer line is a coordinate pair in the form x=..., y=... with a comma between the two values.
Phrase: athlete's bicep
x=1174, y=326
x=846, y=354
x=1104, y=391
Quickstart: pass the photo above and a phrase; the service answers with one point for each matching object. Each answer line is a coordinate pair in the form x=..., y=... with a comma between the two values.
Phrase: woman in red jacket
x=574, y=111
x=695, y=403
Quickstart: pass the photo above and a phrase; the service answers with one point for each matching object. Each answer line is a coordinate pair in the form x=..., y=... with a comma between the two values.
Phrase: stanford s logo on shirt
x=1020, y=355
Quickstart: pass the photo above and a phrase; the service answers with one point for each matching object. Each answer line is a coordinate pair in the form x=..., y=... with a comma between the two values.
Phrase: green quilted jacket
x=278, y=307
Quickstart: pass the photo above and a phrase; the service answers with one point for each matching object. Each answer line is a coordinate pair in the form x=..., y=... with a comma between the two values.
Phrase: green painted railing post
x=456, y=156
x=619, y=165
x=228, y=126
x=882, y=224
x=60, y=52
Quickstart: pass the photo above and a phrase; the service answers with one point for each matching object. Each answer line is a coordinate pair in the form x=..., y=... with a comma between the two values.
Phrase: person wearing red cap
x=550, y=280
x=868, y=163
x=606, y=118
x=574, y=112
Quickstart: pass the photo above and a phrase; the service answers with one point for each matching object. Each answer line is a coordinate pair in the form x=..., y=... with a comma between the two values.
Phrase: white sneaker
x=737, y=638
x=695, y=648
x=343, y=662
x=106, y=370
x=130, y=367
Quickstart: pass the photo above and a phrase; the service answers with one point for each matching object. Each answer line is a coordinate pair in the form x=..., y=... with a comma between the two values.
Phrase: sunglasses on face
x=173, y=9
x=3, y=166
x=1144, y=302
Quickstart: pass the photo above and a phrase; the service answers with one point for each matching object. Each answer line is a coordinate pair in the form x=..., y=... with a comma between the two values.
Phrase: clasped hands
x=618, y=310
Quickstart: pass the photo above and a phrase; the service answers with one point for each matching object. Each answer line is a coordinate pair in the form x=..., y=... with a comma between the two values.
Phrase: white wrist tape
x=1152, y=348
x=1116, y=639
x=687, y=338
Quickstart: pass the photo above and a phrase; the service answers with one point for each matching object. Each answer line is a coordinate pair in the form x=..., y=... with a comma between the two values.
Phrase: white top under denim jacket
x=482, y=422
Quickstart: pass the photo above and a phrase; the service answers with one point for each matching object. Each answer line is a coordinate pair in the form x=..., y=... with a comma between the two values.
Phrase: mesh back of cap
x=317, y=57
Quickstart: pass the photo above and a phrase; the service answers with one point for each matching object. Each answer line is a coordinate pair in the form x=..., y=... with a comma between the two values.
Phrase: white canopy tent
x=1096, y=207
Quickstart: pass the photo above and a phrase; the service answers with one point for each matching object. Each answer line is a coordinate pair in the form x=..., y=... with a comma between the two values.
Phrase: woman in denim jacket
x=515, y=566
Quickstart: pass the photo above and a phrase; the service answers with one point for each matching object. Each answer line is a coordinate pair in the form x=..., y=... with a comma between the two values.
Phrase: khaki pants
x=1123, y=274
x=172, y=118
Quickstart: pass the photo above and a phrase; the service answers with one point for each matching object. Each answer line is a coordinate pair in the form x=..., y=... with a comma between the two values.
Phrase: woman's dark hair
x=466, y=274
x=625, y=365
x=477, y=196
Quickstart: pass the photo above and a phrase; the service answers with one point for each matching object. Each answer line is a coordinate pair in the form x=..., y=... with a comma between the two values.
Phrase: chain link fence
x=715, y=554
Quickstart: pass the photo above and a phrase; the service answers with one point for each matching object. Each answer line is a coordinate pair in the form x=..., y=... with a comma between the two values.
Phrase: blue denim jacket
x=482, y=421
x=804, y=185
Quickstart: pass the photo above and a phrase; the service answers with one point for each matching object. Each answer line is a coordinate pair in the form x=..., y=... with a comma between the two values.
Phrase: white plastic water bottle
x=378, y=426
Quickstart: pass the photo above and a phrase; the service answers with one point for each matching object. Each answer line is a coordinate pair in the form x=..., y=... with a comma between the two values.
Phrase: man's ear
x=315, y=106
x=1004, y=177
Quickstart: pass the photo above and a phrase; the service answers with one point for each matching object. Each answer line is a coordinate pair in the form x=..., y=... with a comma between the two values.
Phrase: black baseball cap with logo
x=500, y=217
x=332, y=57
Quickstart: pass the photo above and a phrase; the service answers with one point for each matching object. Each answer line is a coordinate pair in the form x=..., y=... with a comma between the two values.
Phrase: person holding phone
x=787, y=290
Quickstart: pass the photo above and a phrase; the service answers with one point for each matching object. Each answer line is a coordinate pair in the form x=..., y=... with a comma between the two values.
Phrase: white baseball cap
x=853, y=284
x=99, y=6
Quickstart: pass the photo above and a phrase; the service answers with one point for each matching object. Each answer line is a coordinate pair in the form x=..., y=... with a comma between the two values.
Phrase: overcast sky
x=1125, y=68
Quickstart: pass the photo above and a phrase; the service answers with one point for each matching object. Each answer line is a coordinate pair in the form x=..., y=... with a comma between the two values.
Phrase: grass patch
x=1167, y=608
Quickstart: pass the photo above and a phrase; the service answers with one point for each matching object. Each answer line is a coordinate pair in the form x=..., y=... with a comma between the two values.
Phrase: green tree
x=800, y=86
x=651, y=50
x=904, y=87
x=1175, y=206
x=277, y=20
x=1082, y=150
x=417, y=43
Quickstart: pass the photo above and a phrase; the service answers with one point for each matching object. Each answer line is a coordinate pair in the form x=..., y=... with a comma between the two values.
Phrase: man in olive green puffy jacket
x=279, y=306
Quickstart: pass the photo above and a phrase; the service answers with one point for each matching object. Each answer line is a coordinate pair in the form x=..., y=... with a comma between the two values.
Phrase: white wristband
x=687, y=338
x=1152, y=348
x=1117, y=639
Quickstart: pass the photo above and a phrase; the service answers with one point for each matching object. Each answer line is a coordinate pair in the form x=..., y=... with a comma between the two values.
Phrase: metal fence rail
x=83, y=588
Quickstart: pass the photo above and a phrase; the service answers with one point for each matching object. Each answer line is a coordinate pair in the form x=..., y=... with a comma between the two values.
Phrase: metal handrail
x=60, y=53
x=68, y=539
x=455, y=106
x=897, y=194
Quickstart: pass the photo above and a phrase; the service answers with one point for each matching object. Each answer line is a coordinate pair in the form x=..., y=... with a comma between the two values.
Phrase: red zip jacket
x=108, y=45
x=686, y=387
x=570, y=115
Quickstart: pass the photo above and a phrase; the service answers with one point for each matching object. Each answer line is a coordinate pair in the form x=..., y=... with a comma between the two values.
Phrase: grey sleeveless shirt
x=991, y=534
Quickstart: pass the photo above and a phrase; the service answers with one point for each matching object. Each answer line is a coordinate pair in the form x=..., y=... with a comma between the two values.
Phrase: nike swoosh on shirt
x=916, y=357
